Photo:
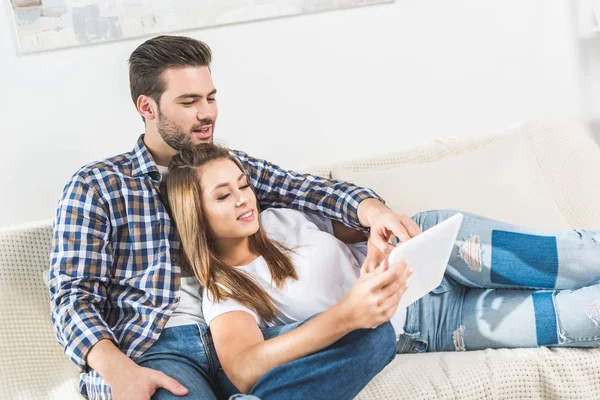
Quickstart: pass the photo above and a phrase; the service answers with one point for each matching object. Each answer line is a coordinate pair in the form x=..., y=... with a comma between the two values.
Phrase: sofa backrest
x=540, y=174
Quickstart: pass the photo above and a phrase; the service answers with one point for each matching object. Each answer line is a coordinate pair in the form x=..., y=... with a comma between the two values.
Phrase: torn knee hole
x=457, y=336
x=593, y=312
x=470, y=251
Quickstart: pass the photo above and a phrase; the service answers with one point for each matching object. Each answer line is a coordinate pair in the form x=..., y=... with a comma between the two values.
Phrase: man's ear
x=147, y=107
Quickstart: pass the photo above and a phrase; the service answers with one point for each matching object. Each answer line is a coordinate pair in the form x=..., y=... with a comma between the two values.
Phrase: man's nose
x=206, y=111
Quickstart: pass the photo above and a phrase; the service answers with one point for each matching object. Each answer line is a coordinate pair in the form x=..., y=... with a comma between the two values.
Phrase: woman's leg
x=493, y=254
x=457, y=318
x=506, y=318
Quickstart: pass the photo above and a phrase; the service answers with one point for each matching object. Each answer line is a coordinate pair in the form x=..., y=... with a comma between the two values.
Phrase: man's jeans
x=340, y=371
x=508, y=286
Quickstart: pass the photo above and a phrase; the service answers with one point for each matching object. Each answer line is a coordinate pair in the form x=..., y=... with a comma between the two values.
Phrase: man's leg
x=494, y=254
x=179, y=353
x=339, y=371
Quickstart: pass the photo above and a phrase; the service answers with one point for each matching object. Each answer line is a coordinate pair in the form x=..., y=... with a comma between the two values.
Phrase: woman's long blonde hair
x=184, y=197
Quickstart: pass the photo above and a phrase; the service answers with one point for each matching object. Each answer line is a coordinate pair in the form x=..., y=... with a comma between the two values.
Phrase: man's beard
x=175, y=136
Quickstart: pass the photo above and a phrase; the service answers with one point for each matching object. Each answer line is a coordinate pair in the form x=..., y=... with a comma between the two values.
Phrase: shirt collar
x=142, y=162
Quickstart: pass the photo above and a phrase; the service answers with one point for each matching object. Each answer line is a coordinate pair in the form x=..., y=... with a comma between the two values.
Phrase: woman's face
x=228, y=201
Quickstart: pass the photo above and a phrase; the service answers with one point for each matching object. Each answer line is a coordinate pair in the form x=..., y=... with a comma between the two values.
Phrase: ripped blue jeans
x=509, y=286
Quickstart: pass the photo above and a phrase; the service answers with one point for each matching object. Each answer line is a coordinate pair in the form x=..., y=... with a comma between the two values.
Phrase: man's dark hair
x=151, y=58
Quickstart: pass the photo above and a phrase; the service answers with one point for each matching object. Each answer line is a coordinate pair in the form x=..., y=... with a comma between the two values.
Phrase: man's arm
x=276, y=187
x=358, y=208
x=80, y=270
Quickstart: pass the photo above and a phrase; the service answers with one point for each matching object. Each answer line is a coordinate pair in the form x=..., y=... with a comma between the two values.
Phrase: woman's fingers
x=391, y=294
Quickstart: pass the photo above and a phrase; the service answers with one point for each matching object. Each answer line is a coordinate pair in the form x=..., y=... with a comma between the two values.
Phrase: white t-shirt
x=326, y=269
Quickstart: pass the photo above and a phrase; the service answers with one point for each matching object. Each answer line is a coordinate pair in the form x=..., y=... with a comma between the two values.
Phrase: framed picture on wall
x=50, y=24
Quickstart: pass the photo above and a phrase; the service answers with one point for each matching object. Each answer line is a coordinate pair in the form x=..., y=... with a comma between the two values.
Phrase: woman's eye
x=210, y=100
x=223, y=197
x=244, y=187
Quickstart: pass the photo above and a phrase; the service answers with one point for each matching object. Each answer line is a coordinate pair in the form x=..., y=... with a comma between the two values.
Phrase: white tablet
x=427, y=254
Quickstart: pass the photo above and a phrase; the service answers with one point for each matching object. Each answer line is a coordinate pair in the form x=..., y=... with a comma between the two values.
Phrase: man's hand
x=139, y=383
x=127, y=380
x=385, y=224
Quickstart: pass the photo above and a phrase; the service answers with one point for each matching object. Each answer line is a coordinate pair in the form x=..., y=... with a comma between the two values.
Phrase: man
x=115, y=274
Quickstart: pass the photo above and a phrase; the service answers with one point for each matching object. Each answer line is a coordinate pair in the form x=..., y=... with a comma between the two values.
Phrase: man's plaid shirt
x=114, y=270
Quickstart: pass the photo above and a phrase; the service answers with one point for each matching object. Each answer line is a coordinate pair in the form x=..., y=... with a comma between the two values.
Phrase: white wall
x=586, y=15
x=298, y=91
x=589, y=51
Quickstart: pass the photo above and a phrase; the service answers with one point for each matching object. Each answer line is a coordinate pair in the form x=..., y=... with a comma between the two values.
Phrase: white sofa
x=537, y=174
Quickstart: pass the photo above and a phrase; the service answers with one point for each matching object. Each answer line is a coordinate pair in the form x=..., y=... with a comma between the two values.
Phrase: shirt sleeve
x=80, y=263
x=276, y=187
x=212, y=309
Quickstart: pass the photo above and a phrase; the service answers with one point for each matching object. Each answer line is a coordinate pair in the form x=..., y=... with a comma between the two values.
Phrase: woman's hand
x=374, y=258
x=374, y=298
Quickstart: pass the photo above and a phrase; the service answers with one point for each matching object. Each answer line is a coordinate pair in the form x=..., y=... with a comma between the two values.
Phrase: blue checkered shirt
x=114, y=269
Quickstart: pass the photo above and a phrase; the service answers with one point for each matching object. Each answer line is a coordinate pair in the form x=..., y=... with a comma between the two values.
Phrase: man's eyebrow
x=226, y=184
x=195, y=95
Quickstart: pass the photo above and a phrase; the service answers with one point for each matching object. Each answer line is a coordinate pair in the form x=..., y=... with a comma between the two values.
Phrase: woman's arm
x=246, y=356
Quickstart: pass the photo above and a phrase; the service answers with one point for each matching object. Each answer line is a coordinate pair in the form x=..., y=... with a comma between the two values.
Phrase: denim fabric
x=186, y=353
x=339, y=371
x=509, y=286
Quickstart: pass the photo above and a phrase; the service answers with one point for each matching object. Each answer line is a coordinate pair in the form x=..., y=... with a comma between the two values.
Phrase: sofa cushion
x=536, y=175
x=542, y=373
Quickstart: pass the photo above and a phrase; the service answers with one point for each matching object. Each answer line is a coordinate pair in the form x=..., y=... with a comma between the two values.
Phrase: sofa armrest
x=32, y=364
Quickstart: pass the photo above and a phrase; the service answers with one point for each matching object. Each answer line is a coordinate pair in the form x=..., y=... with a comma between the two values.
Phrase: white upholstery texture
x=570, y=160
x=33, y=365
x=544, y=373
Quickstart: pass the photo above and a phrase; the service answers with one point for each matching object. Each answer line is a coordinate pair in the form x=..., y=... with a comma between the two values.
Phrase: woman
x=317, y=274
x=296, y=268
